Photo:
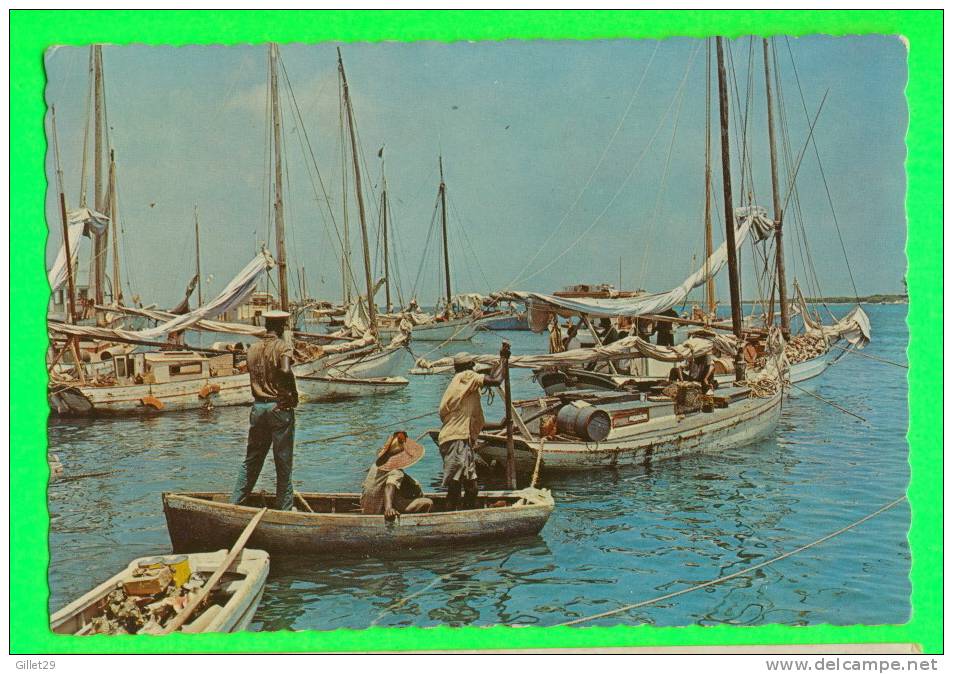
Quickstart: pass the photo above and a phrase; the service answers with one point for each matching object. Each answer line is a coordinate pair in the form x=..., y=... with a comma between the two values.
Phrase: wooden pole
x=709, y=245
x=729, y=210
x=443, y=220
x=508, y=400
x=387, y=302
x=210, y=584
x=279, y=205
x=99, y=240
x=198, y=254
x=114, y=222
x=778, y=208
x=355, y=159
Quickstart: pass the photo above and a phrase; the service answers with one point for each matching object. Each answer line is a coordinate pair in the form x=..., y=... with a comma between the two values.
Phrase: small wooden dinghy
x=202, y=519
x=315, y=388
x=230, y=608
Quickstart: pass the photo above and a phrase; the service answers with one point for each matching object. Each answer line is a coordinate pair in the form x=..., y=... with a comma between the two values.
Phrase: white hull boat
x=232, y=607
x=316, y=388
x=456, y=330
x=386, y=363
x=640, y=432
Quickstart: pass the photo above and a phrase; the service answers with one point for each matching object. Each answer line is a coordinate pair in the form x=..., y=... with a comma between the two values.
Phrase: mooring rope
x=825, y=400
x=368, y=431
x=730, y=576
x=867, y=355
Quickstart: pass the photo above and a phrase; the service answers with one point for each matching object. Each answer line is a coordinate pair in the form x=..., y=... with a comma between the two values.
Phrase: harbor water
x=616, y=537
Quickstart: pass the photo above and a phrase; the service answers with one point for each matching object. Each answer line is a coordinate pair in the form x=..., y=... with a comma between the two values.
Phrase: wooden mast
x=387, y=302
x=355, y=159
x=114, y=222
x=778, y=208
x=729, y=209
x=71, y=287
x=198, y=254
x=443, y=220
x=99, y=240
x=279, y=206
x=709, y=246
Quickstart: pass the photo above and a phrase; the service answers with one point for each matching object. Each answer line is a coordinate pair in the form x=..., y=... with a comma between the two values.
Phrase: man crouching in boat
x=462, y=417
x=387, y=489
x=272, y=417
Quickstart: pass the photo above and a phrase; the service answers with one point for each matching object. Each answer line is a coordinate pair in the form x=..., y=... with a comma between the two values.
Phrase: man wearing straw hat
x=462, y=417
x=387, y=489
x=272, y=417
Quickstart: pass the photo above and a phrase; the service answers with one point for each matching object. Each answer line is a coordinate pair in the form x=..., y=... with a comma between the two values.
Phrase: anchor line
x=742, y=572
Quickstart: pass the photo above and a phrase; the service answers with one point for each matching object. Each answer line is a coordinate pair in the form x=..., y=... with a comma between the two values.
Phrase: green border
x=33, y=31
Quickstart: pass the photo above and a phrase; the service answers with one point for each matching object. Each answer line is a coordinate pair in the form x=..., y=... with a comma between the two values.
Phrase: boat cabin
x=161, y=367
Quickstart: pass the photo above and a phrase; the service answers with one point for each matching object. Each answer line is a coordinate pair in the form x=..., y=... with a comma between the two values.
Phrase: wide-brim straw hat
x=411, y=453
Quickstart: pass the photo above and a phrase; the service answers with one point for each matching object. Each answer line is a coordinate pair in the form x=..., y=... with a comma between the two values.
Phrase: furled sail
x=751, y=221
x=854, y=327
x=79, y=222
x=236, y=292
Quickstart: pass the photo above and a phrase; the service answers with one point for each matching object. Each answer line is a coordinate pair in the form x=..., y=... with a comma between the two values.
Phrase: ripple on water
x=616, y=537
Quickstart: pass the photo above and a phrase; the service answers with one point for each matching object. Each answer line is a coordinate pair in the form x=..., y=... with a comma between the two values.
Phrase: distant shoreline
x=839, y=299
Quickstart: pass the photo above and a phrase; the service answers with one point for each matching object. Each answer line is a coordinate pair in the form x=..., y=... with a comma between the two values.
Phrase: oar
x=206, y=590
x=302, y=501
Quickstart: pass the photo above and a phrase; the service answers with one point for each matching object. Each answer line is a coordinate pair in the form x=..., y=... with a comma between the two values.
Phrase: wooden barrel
x=589, y=423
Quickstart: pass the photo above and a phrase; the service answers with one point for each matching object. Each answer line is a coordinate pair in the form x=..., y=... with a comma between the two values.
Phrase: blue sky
x=551, y=143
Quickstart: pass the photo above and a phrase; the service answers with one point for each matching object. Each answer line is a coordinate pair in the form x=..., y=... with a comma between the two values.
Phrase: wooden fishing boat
x=317, y=388
x=231, y=607
x=388, y=362
x=453, y=330
x=509, y=320
x=177, y=381
x=608, y=430
x=202, y=519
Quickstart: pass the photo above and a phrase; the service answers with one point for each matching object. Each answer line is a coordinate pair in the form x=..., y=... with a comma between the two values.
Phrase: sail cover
x=236, y=292
x=79, y=222
x=854, y=327
x=751, y=221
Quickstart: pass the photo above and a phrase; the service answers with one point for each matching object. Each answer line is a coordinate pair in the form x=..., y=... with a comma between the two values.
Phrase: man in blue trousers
x=272, y=418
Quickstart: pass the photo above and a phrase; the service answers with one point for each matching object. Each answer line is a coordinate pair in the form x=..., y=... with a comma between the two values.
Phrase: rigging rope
x=628, y=176
x=592, y=175
x=742, y=572
x=368, y=431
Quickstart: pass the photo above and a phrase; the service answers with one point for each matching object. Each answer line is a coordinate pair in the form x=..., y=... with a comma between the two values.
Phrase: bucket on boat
x=586, y=422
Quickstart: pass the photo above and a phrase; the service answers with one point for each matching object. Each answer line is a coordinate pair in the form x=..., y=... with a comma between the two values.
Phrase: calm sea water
x=616, y=538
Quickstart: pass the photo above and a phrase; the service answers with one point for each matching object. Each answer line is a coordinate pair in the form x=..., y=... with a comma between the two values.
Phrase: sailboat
x=651, y=420
x=456, y=318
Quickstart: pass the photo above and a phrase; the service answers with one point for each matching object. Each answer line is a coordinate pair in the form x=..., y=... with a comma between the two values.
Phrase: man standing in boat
x=272, y=417
x=387, y=489
x=462, y=417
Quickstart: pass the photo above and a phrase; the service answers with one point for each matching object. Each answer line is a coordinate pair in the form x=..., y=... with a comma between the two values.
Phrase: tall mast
x=443, y=220
x=99, y=177
x=778, y=208
x=279, y=206
x=384, y=232
x=114, y=222
x=371, y=308
x=729, y=209
x=709, y=281
x=198, y=254
x=71, y=297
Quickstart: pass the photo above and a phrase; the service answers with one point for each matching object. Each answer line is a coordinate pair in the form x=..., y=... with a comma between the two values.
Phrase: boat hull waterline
x=203, y=519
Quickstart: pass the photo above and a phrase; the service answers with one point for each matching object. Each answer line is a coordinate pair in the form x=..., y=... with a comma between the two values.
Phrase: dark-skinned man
x=388, y=490
x=462, y=417
x=271, y=423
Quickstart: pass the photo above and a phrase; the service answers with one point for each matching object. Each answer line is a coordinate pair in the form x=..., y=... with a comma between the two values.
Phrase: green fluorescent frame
x=32, y=31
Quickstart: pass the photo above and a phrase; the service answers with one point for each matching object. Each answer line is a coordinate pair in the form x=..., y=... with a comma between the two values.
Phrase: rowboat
x=231, y=607
x=202, y=519
x=316, y=388
x=596, y=430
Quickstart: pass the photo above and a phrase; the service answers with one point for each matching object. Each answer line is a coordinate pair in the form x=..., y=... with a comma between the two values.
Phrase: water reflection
x=617, y=537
